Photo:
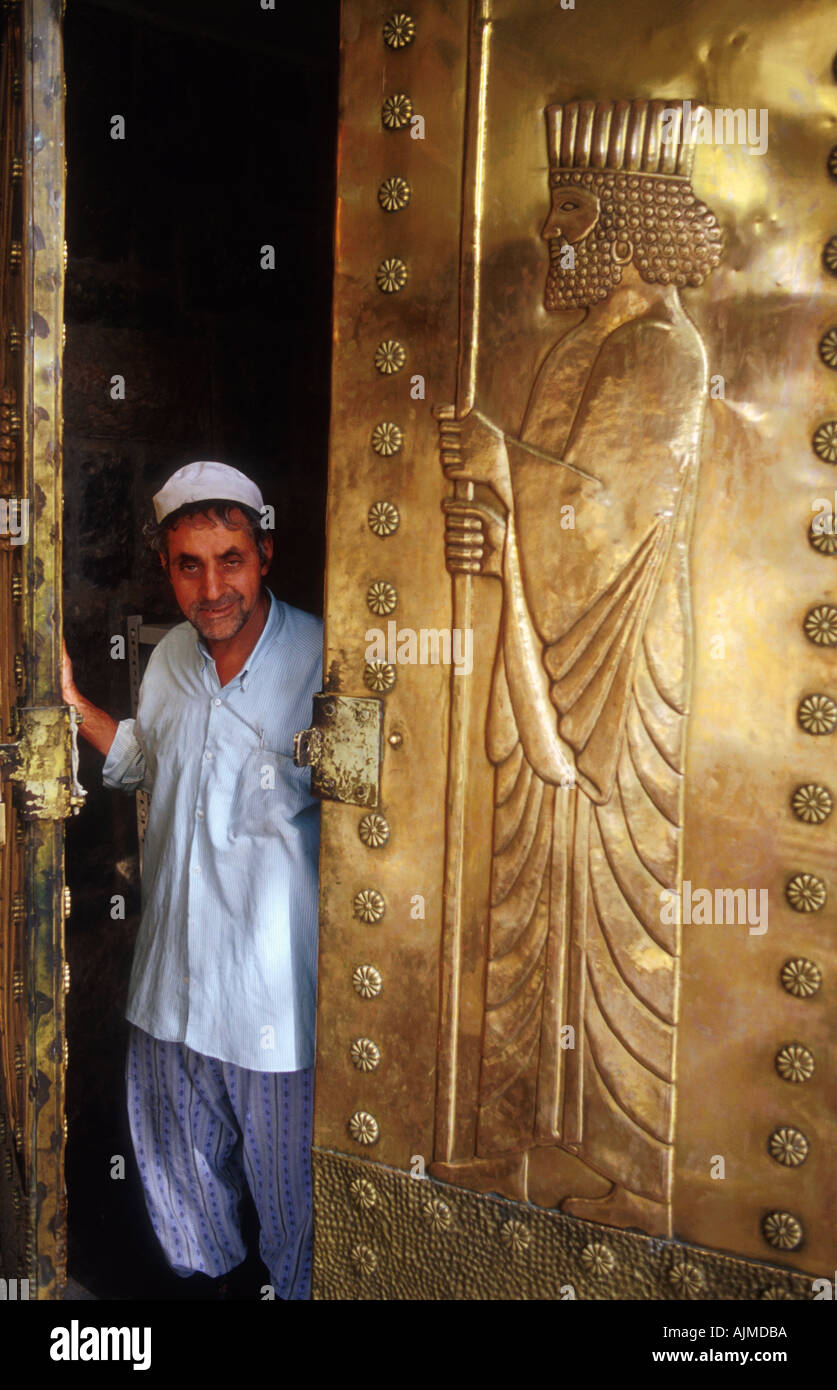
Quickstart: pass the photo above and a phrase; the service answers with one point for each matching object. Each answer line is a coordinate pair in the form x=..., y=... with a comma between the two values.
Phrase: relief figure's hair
x=676, y=238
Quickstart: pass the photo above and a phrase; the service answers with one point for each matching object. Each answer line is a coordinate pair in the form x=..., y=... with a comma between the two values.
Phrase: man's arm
x=125, y=766
x=97, y=726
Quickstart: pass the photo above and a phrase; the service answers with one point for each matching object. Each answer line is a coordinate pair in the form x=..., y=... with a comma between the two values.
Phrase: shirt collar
x=275, y=619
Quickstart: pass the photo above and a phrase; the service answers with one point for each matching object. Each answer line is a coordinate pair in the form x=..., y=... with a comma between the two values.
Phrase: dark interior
x=231, y=116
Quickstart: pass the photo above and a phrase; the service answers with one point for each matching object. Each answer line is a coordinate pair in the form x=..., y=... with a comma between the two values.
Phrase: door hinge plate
x=343, y=748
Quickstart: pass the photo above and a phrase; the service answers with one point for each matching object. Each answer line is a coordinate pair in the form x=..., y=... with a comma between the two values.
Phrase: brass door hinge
x=44, y=763
x=343, y=748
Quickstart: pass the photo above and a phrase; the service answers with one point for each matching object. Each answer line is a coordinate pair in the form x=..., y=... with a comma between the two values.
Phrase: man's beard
x=231, y=622
x=592, y=278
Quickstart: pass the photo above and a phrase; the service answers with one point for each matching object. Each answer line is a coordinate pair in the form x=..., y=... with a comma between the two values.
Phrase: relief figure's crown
x=644, y=137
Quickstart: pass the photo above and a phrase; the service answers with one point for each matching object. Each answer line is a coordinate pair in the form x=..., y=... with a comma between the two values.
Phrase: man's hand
x=96, y=724
x=69, y=694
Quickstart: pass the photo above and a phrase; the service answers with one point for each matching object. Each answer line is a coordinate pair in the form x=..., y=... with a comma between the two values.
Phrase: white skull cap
x=199, y=482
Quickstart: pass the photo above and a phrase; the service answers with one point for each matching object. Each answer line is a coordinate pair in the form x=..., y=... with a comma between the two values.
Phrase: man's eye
x=568, y=207
x=233, y=561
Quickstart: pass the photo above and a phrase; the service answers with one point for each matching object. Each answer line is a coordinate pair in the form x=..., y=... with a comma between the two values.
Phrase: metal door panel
x=700, y=1073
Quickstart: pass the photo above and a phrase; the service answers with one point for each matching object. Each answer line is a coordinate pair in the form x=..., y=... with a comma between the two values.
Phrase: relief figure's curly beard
x=590, y=281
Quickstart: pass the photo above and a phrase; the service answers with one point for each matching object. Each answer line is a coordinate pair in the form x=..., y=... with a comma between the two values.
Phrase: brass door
x=38, y=782
x=577, y=951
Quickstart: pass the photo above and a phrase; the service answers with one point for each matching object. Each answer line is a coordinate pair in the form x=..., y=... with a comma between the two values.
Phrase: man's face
x=216, y=573
x=573, y=220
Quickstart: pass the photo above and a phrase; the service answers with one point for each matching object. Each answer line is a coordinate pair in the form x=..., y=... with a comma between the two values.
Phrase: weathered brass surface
x=384, y=1234
x=33, y=1048
x=42, y=763
x=653, y=697
x=343, y=745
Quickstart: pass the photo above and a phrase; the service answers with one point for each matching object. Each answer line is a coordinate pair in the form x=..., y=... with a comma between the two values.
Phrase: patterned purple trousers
x=203, y=1128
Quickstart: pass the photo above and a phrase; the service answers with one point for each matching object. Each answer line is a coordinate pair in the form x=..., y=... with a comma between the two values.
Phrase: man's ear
x=164, y=560
x=268, y=546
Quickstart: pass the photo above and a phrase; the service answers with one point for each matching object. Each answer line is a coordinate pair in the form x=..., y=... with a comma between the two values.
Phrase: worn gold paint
x=12, y=1002
x=34, y=1046
x=44, y=232
x=43, y=763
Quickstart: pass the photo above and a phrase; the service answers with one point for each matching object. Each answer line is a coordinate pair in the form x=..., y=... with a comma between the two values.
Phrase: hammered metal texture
x=460, y=1252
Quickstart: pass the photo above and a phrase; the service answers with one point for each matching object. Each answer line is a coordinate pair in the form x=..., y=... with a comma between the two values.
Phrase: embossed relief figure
x=590, y=687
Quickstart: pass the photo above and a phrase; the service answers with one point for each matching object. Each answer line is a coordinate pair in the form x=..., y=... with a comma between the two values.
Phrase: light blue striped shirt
x=226, y=956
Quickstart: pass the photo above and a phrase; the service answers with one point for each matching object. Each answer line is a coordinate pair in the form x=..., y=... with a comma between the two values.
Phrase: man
x=222, y=989
x=585, y=519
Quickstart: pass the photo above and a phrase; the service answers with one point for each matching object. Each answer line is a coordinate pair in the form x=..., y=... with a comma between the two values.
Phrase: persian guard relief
x=590, y=687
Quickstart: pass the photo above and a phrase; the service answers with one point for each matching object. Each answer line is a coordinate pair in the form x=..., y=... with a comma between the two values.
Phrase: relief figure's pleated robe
x=591, y=682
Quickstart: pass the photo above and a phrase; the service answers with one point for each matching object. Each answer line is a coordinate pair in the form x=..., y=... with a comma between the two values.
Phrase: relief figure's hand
x=473, y=449
x=475, y=533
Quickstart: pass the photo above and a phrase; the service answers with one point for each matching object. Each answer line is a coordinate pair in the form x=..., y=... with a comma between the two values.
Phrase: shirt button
x=216, y=702
x=208, y=757
x=197, y=868
x=200, y=815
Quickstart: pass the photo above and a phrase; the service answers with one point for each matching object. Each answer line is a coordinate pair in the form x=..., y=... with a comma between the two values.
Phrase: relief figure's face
x=601, y=220
x=574, y=213
x=588, y=276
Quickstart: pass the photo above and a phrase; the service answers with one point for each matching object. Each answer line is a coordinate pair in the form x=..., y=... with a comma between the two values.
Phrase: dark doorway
x=230, y=127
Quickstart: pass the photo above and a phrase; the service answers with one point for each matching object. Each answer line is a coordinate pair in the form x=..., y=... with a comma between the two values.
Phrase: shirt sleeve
x=125, y=766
